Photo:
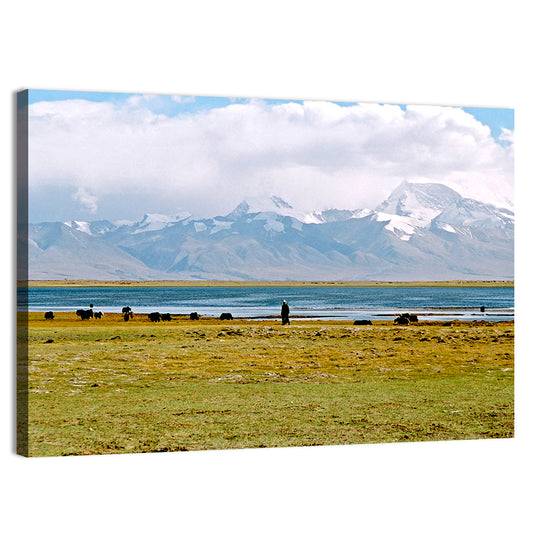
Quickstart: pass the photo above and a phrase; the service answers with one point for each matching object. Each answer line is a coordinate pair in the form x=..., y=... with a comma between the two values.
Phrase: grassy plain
x=107, y=386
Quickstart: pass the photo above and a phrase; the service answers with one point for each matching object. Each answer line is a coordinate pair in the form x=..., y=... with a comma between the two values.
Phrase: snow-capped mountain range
x=423, y=231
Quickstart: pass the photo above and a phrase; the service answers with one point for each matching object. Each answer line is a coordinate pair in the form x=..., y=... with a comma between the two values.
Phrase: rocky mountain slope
x=422, y=231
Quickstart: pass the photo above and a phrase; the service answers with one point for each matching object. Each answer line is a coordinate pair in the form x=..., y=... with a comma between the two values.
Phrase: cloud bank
x=110, y=159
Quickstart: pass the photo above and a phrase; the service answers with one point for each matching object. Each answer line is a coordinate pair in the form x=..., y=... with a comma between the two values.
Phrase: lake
x=341, y=303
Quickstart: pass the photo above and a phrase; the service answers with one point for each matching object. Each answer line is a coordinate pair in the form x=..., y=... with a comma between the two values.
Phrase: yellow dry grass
x=260, y=283
x=107, y=386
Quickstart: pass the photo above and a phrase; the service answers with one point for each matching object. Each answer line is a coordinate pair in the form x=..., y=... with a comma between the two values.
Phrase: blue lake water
x=342, y=303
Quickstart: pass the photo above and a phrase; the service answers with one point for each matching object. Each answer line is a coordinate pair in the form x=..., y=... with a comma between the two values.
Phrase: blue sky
x=495, y=118
x=170, y=105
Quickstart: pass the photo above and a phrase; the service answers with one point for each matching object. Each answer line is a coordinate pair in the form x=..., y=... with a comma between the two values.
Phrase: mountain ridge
x=420, y=231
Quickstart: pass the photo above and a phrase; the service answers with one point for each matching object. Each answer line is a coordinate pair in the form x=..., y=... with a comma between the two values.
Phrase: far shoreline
x=261, y=283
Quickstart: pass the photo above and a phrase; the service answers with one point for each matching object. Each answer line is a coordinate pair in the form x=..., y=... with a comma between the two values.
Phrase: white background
x=461, y=53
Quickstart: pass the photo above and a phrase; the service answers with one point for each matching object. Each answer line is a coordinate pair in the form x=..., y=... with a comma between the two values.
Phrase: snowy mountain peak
x=156, y=222
x=339, y=215
x=272, y=204
x=414, y=205
x=259, y=204
x=98, y=227
x=422, y=201
x=80, y=226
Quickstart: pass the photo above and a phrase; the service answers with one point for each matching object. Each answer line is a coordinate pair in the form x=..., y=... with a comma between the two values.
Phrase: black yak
x=405, y=319
x=194, y=316
x=401, y=320
x=155, y=317
x=362, y=323
x=49, y=315
x=165, y=317
x=85, y=314
x=226, y=316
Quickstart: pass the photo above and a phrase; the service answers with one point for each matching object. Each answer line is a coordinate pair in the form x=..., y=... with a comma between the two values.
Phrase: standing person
x=285, y=313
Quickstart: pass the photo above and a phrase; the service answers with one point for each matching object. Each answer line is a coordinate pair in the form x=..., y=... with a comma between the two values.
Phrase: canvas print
x=200, y=273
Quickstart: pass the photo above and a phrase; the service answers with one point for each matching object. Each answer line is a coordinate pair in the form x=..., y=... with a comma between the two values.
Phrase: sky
x=117, y=156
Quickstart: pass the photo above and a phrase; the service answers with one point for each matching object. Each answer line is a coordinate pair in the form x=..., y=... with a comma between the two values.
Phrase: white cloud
x=87, y=200
x=139, y=99
x=506, y=135
x=182, y=99
x=315, y=154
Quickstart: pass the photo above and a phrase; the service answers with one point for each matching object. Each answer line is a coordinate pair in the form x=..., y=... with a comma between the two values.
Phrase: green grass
x=114, y=387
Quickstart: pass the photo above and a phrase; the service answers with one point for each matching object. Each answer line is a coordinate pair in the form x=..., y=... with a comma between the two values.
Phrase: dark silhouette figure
x=155, y=317
x=285, y=313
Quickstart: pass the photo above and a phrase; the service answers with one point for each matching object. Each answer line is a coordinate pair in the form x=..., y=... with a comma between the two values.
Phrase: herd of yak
x=86, y=314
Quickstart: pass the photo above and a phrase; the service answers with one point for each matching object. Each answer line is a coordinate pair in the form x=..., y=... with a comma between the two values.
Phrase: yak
x=98, y=314
x=155, y=317
x=226, y=316
x=405, y=319
x=49, y=315
x=194, y=316
x=362, y=323
x=166, y=317
x=85, y=314
x=401, y=320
